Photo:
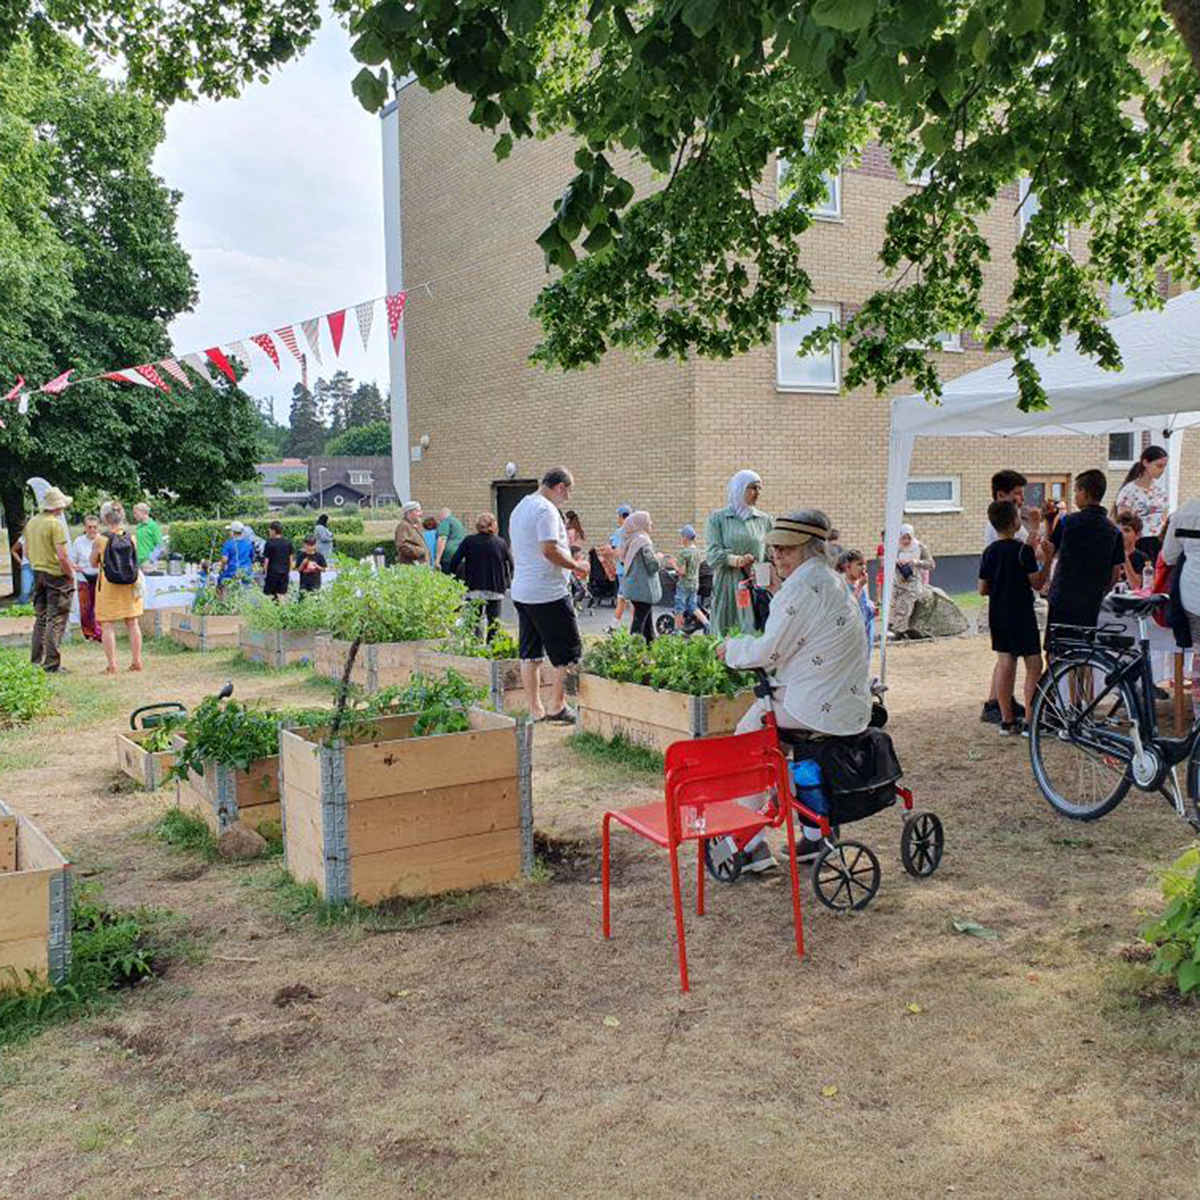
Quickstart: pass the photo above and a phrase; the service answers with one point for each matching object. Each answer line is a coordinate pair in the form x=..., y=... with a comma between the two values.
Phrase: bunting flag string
x=57, y=384
x=312, y=335
x=337, y=326
x=172, y=368
x=198, y=365
x=239, y=351
x=264, y=343
x=149, y=372
x=395, y=310
x=219, y=361
x=127, y=377
x=366, y=316
x=288, y=336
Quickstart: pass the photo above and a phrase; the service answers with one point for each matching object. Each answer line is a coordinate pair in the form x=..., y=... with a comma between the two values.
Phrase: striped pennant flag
x=57, y=384
x=219, y=361
x=312, y=335
x=337, y=326
x=288, y=335
x=16, y=388
x=395, y=310
x=264, y=343
x=172, y=368
x=199, y=366
x=127, y=377
x=365, y=313
x=148, y=372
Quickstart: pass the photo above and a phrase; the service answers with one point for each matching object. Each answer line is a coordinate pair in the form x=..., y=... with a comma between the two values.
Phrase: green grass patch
x=300, y=904
x=187, y=833
x=163, y=646
x=620, y=751
x=967, y=601
x=239, y=664
x=110, y=951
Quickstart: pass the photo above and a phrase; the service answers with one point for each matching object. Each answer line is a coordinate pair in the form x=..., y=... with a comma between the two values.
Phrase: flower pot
x=383, y=813
x=35, y=905
x=653, y=717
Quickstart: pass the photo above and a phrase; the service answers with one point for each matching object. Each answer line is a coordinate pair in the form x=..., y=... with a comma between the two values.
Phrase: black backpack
x=120, y=558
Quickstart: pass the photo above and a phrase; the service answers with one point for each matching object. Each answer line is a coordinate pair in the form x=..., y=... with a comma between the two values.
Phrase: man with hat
x=237, y=555
x=410, y=542
x=814, y=646
x=46, y=546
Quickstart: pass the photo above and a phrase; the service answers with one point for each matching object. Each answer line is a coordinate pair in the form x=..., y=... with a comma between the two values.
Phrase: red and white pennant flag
x=239, y=351
x=127, y=376
x=16, y=389
x=288, y=336
x=365, y=313
x=395, y=310
x=264, y=343
x=337, y=326
x=173, y=369
x=149, y=372
x=57, y=384
x=198, y=365
x=312, y=335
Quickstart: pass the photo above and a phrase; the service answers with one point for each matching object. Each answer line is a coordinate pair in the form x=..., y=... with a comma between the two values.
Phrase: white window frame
x=835, y=352
x=358, y=478
x=951, y=343
x=833, y=181
x=953, y=505
x=1122, y=463
x=915, y=178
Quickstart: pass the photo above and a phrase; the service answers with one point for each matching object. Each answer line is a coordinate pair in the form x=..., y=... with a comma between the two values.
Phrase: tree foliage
x=94, y=276
x=373, y=439
x=306, y=431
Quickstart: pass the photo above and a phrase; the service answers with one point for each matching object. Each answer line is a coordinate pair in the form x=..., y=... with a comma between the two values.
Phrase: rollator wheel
x=724, y=868
x=664, y=623
x=921, y=844
x=846, y=876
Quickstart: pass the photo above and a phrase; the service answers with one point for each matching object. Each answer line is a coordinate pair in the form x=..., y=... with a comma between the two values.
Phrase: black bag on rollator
x=859, y=774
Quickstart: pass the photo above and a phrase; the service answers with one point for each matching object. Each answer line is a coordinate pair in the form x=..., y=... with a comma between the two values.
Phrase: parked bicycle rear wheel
x=1079, y=777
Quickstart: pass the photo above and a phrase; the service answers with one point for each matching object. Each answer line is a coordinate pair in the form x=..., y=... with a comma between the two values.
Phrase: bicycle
x=1089, y=744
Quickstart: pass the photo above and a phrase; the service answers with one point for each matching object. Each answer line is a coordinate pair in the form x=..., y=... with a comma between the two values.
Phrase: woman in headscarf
x=913, y=566
x=642, y=586
x=735, y=539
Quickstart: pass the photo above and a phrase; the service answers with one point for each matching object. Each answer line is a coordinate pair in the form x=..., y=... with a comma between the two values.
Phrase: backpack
x=120, y=558
x=860, y=773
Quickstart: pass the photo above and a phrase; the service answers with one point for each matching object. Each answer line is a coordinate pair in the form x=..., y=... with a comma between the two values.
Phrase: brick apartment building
x=666, y=436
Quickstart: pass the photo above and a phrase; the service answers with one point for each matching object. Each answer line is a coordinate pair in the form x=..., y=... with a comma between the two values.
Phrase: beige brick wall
x=663, y=436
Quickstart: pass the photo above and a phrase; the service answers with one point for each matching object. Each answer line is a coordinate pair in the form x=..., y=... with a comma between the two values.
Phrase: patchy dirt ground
x=514, y=1052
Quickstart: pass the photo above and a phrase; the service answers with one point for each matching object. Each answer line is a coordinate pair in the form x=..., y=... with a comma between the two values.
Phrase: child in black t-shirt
x=1130, y=525
x=1008, y=575
x=277, y=561
x=310, y=564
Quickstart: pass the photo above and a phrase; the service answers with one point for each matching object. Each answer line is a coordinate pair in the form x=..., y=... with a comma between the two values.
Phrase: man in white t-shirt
x=542, y=565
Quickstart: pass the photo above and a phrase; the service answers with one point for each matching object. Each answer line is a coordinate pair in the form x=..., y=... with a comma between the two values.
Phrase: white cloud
x=282, y=213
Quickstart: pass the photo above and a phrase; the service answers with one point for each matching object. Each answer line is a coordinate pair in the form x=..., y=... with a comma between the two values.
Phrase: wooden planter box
x=35, y=905
x=501, y=677
x=224, y=795
x=376, y=666
x=156, y=622
x=651, y=717
x=279, y=648
x=205, y=633
x=405, y=816
x=15, y=632
x=149, y=768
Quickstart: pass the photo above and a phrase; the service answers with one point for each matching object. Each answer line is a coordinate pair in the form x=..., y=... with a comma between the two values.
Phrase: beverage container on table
x=1148, y=578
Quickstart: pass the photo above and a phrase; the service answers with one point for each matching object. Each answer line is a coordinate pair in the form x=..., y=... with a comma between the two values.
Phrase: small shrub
x=25, y=690
x=292, y=481
x=676, y=664
x=300, y=610
x=397, y=604
x=17, y=610
x=1175, y=936
x=441, y=702
x=186, y=832
x=292, y=510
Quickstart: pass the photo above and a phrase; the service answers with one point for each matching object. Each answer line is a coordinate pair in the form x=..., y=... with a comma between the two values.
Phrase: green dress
x=725, y=534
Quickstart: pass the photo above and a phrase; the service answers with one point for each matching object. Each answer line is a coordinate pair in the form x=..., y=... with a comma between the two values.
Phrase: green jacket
x=641, y=583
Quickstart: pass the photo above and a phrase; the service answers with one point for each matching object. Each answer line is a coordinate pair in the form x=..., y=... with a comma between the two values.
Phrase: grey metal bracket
x=524, y=733
x=334, y=822
x=58, y=948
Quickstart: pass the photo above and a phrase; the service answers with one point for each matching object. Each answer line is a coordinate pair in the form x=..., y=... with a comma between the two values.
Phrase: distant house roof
x=368, y=473
x=270, y=471
x=274, y=495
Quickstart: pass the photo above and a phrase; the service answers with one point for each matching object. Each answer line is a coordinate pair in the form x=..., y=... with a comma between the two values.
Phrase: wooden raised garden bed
x=15, y=632
x=501, y=677
x=397, y=815
x=148, y=767
x=223, y=795
x=278, y=648
x=35, y=904
x=376, y=666
x=156, y=622
x=652, y=717
x=205, y=633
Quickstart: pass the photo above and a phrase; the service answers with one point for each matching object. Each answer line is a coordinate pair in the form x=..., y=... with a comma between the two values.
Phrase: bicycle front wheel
x=1081, y=762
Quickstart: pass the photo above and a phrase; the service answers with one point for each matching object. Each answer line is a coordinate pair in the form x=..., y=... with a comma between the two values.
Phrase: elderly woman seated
x=814, y=647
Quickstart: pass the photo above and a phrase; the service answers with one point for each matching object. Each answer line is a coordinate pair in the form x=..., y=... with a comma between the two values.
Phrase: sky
x=282, y=214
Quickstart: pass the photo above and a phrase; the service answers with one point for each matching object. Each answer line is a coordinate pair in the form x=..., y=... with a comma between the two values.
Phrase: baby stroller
x=601, y=591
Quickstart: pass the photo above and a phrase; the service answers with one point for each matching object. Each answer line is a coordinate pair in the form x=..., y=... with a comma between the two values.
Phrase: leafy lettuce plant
x=1175, y=936
x=675, y=664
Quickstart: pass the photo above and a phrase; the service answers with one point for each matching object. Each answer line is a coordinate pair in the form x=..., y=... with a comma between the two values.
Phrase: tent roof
x=1158, y=387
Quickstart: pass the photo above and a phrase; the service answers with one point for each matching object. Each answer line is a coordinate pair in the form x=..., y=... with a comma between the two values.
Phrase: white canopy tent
x=1157, y=389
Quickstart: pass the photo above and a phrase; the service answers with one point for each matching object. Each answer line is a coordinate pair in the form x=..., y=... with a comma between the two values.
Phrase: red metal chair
x=704, y=780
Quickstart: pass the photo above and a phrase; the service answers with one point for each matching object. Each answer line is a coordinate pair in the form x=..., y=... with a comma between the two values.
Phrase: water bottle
x=806, y=779
x=1148, y=578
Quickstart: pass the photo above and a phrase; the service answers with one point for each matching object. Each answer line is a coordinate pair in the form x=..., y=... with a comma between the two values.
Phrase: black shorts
x=275, y=585
x=1021, y=642
x=550, y=631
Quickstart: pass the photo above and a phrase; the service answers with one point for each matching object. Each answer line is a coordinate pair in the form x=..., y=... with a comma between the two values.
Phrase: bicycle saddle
x=1127, y=605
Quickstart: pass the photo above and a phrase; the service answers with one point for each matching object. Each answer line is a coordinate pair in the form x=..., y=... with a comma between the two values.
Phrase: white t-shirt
x=536, y=580
x=81, y=556
x=990, y=535
x=1187, y=517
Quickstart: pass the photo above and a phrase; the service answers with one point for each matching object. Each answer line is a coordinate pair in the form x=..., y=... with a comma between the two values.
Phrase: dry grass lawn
x=509, y=1050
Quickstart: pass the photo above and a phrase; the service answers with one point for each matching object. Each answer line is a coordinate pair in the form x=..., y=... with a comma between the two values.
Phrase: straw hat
x=55, y=499
x=799, y=528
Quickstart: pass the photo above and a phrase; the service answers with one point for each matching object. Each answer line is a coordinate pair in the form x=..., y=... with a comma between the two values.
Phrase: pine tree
x=367, y=406
x=337, y=397
x=306, y=435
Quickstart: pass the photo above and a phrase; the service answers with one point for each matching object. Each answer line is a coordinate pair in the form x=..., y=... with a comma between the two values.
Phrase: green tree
x=368, y=405
x=375, y=438
x=306, y=431
x=272, y=437
x=335, y=397
x=292, y=482
x=105, y=276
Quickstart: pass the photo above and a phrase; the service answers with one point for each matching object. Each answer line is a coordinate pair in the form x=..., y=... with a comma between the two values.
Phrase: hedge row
x=197, y=540
x=361, y=545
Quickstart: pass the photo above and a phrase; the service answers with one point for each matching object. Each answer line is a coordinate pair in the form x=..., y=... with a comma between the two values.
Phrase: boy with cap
x=617, y=542
x=687, y=586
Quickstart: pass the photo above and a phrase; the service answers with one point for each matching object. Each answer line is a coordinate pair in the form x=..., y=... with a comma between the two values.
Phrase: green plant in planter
x=441, y=702
x=25, y=690
x=234, y=734
x=676, y=664
x=397, y=604
x=1175, y=936
x=209, y=604
x=300, y=610
x=161, y=736
x=17, y=610
x=465, y=638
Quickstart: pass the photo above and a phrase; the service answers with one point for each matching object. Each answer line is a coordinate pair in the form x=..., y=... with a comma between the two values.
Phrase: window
x=820, y=371
x=1119, y=303
x=1121, y=451
x=830, y=208
x=1030, y=206
x=933, y=494
x=360, y=477
x=917, y=177
x=944, y=340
